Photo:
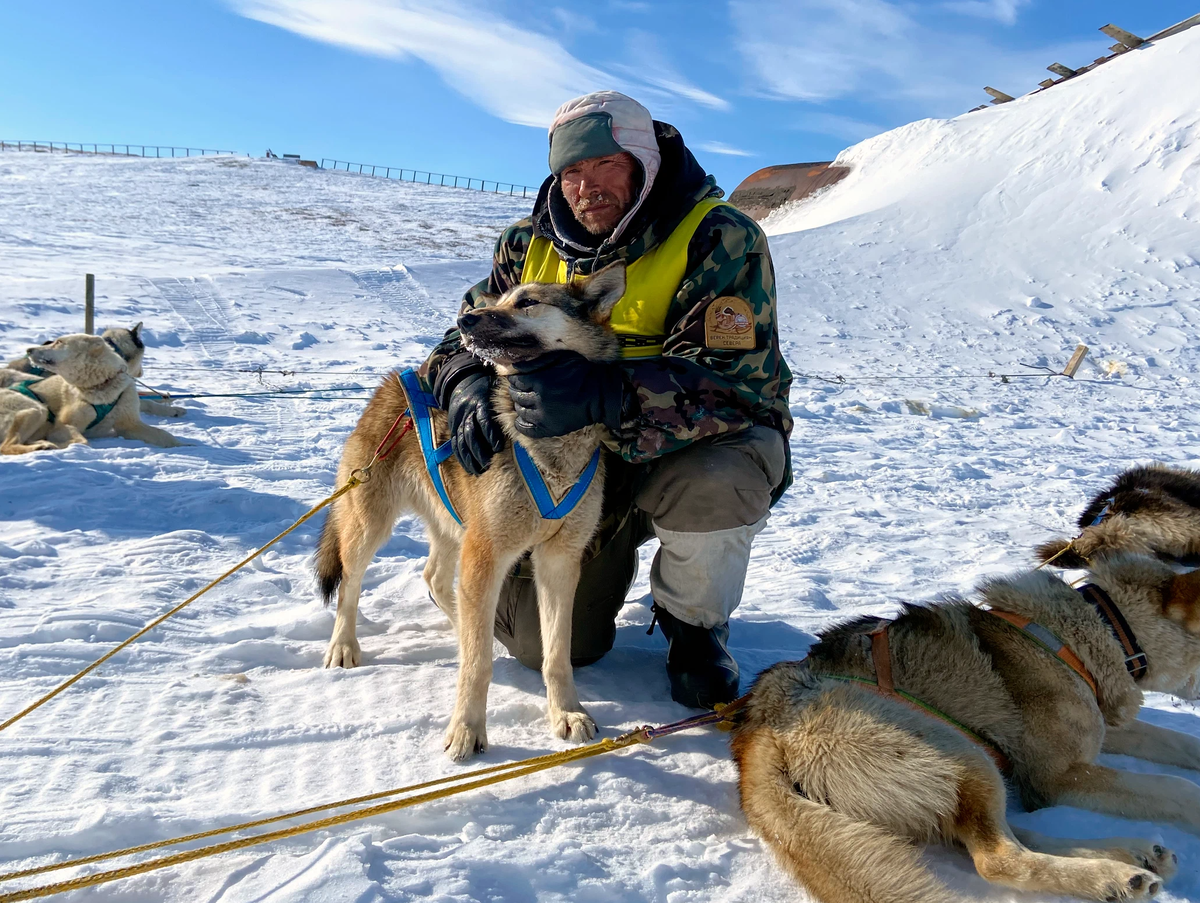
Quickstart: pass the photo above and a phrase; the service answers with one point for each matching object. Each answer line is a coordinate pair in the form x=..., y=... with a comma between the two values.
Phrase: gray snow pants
x=705, y=503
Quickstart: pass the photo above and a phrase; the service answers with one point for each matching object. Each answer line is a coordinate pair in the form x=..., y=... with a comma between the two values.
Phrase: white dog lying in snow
x=91, y=394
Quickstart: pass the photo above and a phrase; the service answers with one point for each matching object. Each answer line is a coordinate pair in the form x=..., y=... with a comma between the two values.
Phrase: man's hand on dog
x=561, y=392
x=463, y=389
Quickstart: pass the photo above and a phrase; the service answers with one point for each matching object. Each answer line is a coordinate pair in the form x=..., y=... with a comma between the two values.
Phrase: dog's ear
x=602, y=290
x=1181, y=601
x=134, y=330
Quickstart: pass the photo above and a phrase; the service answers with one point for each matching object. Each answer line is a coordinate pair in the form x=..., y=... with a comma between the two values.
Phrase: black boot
x=702, y=671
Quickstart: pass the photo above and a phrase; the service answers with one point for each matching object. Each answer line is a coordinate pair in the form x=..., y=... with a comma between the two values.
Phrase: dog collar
x=117, y=348
x=1137, y=663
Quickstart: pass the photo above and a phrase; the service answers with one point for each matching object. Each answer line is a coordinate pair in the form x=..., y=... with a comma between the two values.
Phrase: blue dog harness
x=547, y=507
x=25, y=388
x=421, y=403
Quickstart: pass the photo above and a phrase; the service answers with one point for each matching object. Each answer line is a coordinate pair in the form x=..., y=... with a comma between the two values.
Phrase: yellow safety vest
x=651, y=283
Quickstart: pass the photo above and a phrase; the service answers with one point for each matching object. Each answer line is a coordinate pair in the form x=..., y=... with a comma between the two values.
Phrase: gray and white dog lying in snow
x=125, y=342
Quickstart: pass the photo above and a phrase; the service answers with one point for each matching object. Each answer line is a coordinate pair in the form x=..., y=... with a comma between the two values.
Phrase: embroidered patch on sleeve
x=729, y=324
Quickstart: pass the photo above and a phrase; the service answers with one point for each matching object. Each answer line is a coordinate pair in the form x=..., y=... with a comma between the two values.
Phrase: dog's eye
x=523, y=303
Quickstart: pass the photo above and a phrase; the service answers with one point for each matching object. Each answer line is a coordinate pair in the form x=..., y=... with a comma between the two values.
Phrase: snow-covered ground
x=985, y=243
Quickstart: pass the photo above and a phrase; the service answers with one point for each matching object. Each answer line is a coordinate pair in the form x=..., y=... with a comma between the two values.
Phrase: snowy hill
x=1069, y=215
x=993, y=240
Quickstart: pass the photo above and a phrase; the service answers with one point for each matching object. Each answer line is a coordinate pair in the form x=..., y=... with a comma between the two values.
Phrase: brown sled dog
x=1153, y=509
x=500, y=520
x=841, y=779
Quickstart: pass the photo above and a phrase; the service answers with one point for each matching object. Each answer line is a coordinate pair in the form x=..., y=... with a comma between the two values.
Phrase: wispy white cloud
x=720, y=147
x=652, y=67
x=1001, y=10
x=516, y=74
x=876, y=50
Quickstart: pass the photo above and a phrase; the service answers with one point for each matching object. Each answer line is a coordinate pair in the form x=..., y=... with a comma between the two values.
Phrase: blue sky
x=467, y=86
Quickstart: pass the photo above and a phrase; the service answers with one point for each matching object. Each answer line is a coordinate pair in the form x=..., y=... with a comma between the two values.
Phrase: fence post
x=89, y=303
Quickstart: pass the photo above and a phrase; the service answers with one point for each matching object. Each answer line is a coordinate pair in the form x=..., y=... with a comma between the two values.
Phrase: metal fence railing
x=446, y=180
x=113, y=150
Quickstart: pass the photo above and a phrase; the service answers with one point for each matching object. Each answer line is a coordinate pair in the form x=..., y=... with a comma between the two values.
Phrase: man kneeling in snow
x=697, y=407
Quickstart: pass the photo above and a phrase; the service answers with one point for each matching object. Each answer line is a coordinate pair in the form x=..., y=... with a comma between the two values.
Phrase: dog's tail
x=328, y=564
x=1063, y=555
x=838, y=858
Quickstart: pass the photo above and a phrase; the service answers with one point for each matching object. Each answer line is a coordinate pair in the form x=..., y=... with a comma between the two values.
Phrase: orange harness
x=1050, y=642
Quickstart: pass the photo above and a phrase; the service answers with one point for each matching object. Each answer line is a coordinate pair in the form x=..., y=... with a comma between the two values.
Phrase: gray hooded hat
x=603, y=123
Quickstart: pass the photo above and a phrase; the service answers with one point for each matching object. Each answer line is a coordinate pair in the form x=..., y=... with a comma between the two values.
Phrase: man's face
x=600, y=190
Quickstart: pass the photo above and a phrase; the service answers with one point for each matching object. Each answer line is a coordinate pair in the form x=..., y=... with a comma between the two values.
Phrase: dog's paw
x=1130, y=884
x=1156, y=858
x=1152, y=857
x=464, y=741
x=578, y=727
x=175, y=411
x=343, y=654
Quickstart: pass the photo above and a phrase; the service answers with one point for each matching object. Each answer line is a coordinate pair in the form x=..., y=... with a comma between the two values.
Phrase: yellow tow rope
x=350, y=484
x=472, y=780
x=357, y=478
x=462, y=783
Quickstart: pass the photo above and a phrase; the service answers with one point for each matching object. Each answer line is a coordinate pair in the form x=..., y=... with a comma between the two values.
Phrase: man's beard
x=584, y=204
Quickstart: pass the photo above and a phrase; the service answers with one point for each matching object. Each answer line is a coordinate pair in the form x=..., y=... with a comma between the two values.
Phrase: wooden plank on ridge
x=1076, y=359
x=1000, y=96
x=1129, y=39
x=1045, y=83
x=1060, y=69
x=1176, y=28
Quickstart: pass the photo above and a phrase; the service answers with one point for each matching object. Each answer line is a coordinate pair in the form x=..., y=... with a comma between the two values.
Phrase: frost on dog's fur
x=501, y=521
x=841, y=781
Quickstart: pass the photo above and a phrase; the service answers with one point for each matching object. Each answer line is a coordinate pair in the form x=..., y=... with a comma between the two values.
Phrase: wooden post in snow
x=89, y=304
x=1076, y=359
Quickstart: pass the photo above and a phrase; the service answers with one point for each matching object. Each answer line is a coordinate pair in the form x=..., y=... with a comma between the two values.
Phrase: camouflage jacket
x=691, y=391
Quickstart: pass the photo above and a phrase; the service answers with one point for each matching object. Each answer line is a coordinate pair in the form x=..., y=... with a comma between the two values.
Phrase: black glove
x=463, y=389
x=562, y=391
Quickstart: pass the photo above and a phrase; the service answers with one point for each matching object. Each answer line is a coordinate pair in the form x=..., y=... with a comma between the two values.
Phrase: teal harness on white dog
x=26, y=388
x=421, y=403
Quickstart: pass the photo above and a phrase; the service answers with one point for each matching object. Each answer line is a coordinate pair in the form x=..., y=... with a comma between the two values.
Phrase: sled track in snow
x=200, y=306
x=401, y=293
